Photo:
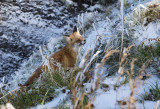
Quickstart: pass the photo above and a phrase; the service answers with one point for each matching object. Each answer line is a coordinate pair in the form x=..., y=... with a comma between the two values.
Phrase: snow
x=34, y=61
x=55, y=102
x=68, y=2
x=26, y=26
x=4, y=36
x=151, y=31
x=106, y=29
x=93, y=8
x=109, y=99
x=141, y=32
x=150, y=105
x=7, y=106
x=105, y=100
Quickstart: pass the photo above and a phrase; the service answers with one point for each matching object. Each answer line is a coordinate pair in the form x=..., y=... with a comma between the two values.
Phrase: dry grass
x=75, y=79
x=144, y=14
x=152, y=13
x=77, y=90
x=135, y=81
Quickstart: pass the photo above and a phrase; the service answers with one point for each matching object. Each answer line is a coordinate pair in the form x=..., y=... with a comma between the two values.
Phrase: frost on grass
x=34, y=61
x=94, y=42
x=116, y=94
x=55, y=102
x=101, y=36
x=144, y=23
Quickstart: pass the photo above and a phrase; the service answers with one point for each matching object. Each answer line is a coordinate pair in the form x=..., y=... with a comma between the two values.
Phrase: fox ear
x=75, y=29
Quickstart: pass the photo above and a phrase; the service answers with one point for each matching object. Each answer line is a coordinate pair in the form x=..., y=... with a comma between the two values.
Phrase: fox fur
x=67, y=56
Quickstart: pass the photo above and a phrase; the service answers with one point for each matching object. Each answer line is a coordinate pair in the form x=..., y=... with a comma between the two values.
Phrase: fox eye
x=78, y=40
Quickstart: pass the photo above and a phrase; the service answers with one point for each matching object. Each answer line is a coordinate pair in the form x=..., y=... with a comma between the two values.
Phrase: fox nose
x=84, y=41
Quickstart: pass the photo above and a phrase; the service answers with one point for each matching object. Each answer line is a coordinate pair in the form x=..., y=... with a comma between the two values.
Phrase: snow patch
x=55, y=102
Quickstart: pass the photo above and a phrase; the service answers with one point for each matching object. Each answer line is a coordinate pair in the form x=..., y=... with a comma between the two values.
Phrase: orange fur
x=67, y=56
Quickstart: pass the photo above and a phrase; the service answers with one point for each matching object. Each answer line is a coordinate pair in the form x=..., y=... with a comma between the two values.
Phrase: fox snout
x=83, y=42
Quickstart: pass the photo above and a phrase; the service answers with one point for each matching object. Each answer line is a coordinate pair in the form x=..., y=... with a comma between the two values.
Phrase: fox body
x=67, y=56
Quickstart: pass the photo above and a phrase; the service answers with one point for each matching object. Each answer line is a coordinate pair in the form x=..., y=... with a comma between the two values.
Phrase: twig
x=122, y=28
x=9, y=93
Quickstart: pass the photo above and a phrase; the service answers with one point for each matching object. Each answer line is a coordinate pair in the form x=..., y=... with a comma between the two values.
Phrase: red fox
x=67, y=56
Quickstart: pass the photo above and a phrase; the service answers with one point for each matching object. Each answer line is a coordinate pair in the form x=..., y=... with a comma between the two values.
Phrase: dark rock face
x=13, y=51
x=107, y=2
x=92, y=2
x=3, y=0
x=85, y=1
x=27, y=25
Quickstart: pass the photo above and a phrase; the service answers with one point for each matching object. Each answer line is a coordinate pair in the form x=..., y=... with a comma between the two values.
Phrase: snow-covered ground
x=108, y=99
x=55, y=102
x=26, y=26
x=104, y=27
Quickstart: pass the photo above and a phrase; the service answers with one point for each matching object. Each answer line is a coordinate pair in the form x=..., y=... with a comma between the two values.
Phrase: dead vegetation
x=152, y=13
x=144, y=14
x=132, y=65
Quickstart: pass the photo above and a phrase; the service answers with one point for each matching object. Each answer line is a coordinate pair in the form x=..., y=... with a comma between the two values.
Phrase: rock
x=4, y=19
x=103, y=85
x=1, y=33
x=107, y=2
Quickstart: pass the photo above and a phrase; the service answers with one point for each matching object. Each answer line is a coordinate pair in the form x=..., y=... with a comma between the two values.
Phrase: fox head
x=75, y=39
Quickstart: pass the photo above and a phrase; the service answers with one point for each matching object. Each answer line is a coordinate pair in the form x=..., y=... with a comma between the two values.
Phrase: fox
x=67, y=56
